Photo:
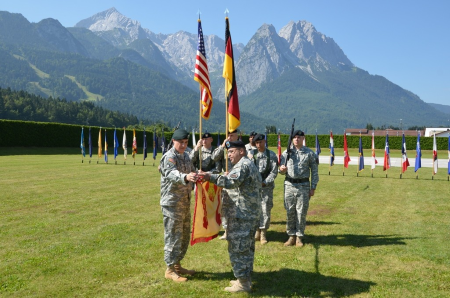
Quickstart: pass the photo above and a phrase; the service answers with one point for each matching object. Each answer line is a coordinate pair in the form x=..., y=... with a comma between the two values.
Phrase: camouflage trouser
x=266, y=207
x=227, y=204
x=241, y=245
x=296, y=203
x=177, y=220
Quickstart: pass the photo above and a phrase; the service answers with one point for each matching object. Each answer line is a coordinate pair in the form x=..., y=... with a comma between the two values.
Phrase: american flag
x=201, y=74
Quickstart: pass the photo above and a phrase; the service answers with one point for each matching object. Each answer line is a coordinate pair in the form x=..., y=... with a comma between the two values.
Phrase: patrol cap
x=258, y=137
x=235, y=144
x=180, y=134
x=253, y=133
x=206, y=135
x=299, y=133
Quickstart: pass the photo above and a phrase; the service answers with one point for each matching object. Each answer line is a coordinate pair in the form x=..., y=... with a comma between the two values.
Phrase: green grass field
x=72, y=229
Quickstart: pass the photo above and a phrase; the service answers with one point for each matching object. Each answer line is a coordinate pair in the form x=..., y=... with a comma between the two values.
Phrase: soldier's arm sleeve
x=282, y=161
x=314, y=170
x=273, y=169
x=193, y=155
x=170, y=171
x=217, y=153
x=232, y=180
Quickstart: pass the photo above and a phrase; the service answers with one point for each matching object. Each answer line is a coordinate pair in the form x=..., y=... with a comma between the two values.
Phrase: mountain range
x=111, y=60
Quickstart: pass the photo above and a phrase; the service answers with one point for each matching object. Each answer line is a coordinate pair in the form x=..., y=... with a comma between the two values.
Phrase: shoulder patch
x=172, y=160
x=234, y=175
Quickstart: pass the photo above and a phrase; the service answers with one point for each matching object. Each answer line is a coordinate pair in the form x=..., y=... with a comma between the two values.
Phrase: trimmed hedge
x=42, y=134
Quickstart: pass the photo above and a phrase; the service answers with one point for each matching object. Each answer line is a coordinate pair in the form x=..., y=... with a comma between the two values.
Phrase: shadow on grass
x=308, y=223
x=289, y=282
x=343, y=239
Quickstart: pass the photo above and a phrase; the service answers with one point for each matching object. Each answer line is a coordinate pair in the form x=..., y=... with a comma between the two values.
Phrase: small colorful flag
x=435, y=157
x=361, y=155
x=418, y=164
x=100, y=149
x=279, y=147
x=346, y=156
x=106, y=149
x=90, y=143
x=134, y=148
x=155, y=144
x=145, y=145
x=405, y=161
x=83, y=149
x=449, y=154
x=387, y=159
x=331, y=147
x=124, y=144
x=116, y=144
x=374, y=160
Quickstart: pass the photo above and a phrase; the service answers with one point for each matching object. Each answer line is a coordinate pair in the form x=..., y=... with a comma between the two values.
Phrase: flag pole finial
x=199, y=13
x=226, y=12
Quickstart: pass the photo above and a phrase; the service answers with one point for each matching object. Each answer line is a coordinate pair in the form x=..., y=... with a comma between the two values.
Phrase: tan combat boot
x=232, y=282
x=241, y=285
x=173, y=275
x=183, y=271
x=258, y=235
x=299, y=242
x=263, y=236
x=224, y=236
x=290, y=241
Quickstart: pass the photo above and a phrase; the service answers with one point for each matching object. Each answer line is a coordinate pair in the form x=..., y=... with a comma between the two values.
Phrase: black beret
x=206, y=135
x=259, y=137
x=299, y=133
x=235, y=144
x=253, y=133
x=180, y=134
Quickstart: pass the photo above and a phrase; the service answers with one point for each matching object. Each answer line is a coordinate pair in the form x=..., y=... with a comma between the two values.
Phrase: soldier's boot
x=232, y=282
x=224, y=236
x=263, y=236
x=258, y=235
x=299, y=242
x=290, y=241
x=241, y=285
x=183, y=271
x=173, y=275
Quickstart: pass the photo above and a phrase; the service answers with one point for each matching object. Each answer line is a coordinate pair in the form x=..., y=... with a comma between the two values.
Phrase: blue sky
x=407, y=42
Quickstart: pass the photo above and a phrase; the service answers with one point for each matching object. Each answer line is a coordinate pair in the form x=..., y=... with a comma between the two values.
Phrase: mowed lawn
x=73, y=229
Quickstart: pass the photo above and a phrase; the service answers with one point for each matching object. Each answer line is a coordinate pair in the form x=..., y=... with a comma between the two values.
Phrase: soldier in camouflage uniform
x=177, y=176
x=243, y=183
x=267, y=163
x=297, y=188
x=208, y=163
x=251, y=142
x=218, y=157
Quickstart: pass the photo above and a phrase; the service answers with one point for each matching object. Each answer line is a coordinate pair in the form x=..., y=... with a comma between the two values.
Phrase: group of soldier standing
x=248, y=180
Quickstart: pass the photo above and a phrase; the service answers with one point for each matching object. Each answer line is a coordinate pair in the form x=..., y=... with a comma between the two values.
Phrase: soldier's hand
x=283, y=168
x=204, y=176
x=199, y=145
x=311, y=192
x=191, y=177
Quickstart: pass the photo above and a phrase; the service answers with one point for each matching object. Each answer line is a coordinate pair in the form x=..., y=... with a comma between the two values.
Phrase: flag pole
x=401, y=159
x=329, y=164
x=200, y=129
x=226, y=123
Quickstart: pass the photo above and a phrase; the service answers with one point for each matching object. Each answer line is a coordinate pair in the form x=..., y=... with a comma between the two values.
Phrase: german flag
x=234, y=117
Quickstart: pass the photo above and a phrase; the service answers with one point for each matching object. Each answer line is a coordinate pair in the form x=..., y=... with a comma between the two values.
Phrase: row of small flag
x=387, y=162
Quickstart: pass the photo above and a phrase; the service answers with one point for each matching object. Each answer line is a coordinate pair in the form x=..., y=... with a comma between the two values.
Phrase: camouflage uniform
x=208, y=163
x=244, y=185
x=175, y=204
x=301, y=163
x=267, y=164
x=218, y=156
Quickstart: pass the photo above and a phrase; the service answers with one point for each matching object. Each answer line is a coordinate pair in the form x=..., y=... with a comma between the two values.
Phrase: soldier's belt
x=302, y=180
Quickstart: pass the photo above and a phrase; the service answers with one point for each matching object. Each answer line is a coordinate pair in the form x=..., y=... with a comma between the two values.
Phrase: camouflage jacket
x=301, y=163
x=268, y=170
x=243, y=184
x=174, y=167
x=208, y=163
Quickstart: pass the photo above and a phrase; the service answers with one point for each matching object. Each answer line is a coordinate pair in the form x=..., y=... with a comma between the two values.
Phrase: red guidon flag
x=206, y=223
x=346, y=156
x=201, y=75
x=234, y=117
